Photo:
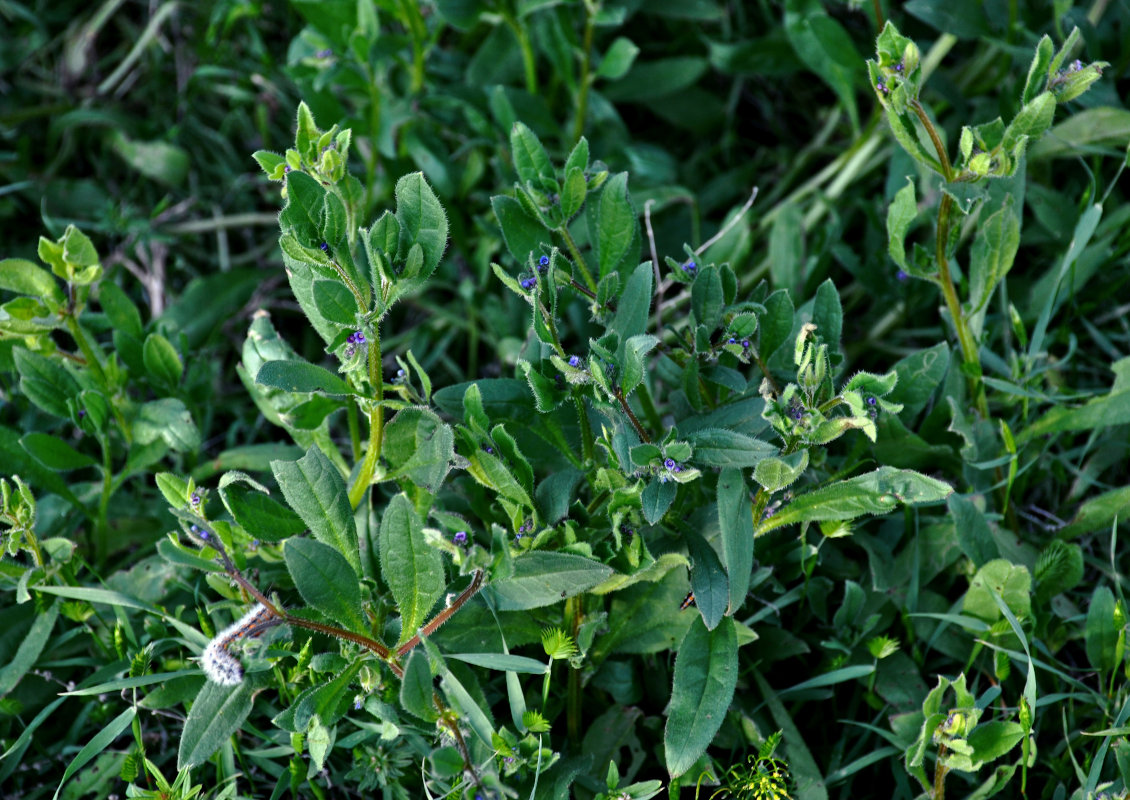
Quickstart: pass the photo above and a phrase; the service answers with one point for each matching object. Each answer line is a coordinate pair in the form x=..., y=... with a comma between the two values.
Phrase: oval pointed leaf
x=735, y=521
x=706, y=672
x=325, y=580
x=412, y=569
x=301, y=377
x=216, y=714
x=541, y=578
x=314, y=488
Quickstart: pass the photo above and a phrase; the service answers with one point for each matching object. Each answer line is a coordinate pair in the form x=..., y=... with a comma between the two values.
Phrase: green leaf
x=826, y=49
x=45, y=383
x=1058, y=569
x=522, y=233
x=163, y=162
x=412, y=569
x=314, y=488
x=216, y=713
x=828, y=315
x=503, y=662
x=900, y=216
x=618, y=59
x=972, y=529
x=777, y=323
x=325, y=580
x=420, y=446
x=786, y=248
x=616, y=226
x=162, y=361
x=634, y=304
x=98, y=744
x=1105, y=126
x=168, y=420
x=573, y=192
x=918, y=376
x=650, y=80
x=301, y=377
x=119, y=309
x=261, y=516
x=328, y=702
x=54, y=453
x=25, y=277
x=735, y=521
x=530, y=159
x=335, y=302
x=635, y=349
x=416, y=688
x=541, y=578
x=1009, y=581
x=774, y=474
x=877, y=492
x=991, y=740
x=717, y=447
x=993, y=253
x=706, y=672
x=554, y=494
x=1106, y=411
x=305, y=208
x=1101, y=632
x=657, y=497
x=422, y=219
x=1098, y=513
x=708, y=580
x=30, y=648
x=1031, y=123
x=707, y=299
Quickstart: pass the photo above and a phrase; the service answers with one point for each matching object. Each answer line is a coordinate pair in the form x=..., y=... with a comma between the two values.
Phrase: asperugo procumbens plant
x=562, y=505
x=981, y=195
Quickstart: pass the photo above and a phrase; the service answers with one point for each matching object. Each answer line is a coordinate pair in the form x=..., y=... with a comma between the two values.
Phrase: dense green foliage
x=594, y=399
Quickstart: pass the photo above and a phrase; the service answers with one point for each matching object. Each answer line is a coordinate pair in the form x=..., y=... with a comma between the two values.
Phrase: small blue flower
x=325, y=53
x=357, y=704
x=81, y=413
x=359, y=337
x=669, y=463
x=899, y=67
x=487, y=449
x=460, y=537
x=574, y=362
x=543, y=261
x=797, y=413
x=325, y=247
x=254, y=544
x=690, y=267
x=870, y=400
x=901, y=276
x=745, y=344
x=195, y=499
x=194, y=528
x=286, y=168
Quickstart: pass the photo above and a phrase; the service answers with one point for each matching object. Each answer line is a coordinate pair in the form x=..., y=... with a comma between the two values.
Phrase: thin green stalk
x=102, y=526
x=529, y=65
x=414, y=21
x=573, y=698
x=376, y=423
x=586, y=68
x=88, y=352
x=571, y=246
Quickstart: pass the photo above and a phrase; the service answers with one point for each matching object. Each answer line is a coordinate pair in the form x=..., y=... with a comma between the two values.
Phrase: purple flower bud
x=400, y=373
x=669, y=463
x=690, y=267
x=574, y=362
x=899, y=67
x=195, y=499
x=205, y=535
x=797, y=413
x=286, y=168
x=745, y=344
x=357, y=704
x=194, y=528
x=460, y=537
x=325, y=53
x=254, y=544
x=487, y=449
x=870, y=400
x=901, y=276
x=325, y=247
x=81, y=413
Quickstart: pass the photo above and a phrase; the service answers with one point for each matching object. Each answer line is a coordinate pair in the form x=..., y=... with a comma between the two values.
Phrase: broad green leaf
x=616, y=226
x=422, y=219
x=162, y=361
x=706, y=672
x=774, y=474
x=1010, y=582
x=657, y=498
x=301, y=377
x=1101, y=631
x=900, y=216
x=828, y=315
x=216, y=713
x=44, y=383
x=261, y=516
x=328, y=702
x=416, y=688
x=777, y=323
x=315, y=490
x=707, y=299
x=420, y=446
x=167, y=419
x=735, y=521
x=972, y=529
x=541, y=578
x=335, y=302
x=1098, y=513
x=305, y=208
x=1105, y=126
x=993, y=253
x=717, y=447
x=25, y=277
x=708, y=580
x=877, y=492
x=633, y=360
x=412, y=569
x=1031, y=122
x=522, y=233
x=54, y=453
x=826, y=49
x=325, y=580
x=1106, y=411
x=618, y=59
x=161, y=161
x=634, y=304
x=650, y=80
x=786, y=248
x=555, y=492
x=530, y=159
x=991, y=740
x=119, y=309
x=918, y=376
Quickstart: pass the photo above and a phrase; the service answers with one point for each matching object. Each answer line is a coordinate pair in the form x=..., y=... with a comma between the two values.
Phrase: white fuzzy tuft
x=221, y=666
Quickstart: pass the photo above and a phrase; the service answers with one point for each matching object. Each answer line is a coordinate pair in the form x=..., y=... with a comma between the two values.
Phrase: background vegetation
x=136, y=123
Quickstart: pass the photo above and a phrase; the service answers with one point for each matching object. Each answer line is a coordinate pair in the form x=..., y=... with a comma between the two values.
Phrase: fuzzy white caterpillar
x=220, y=665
